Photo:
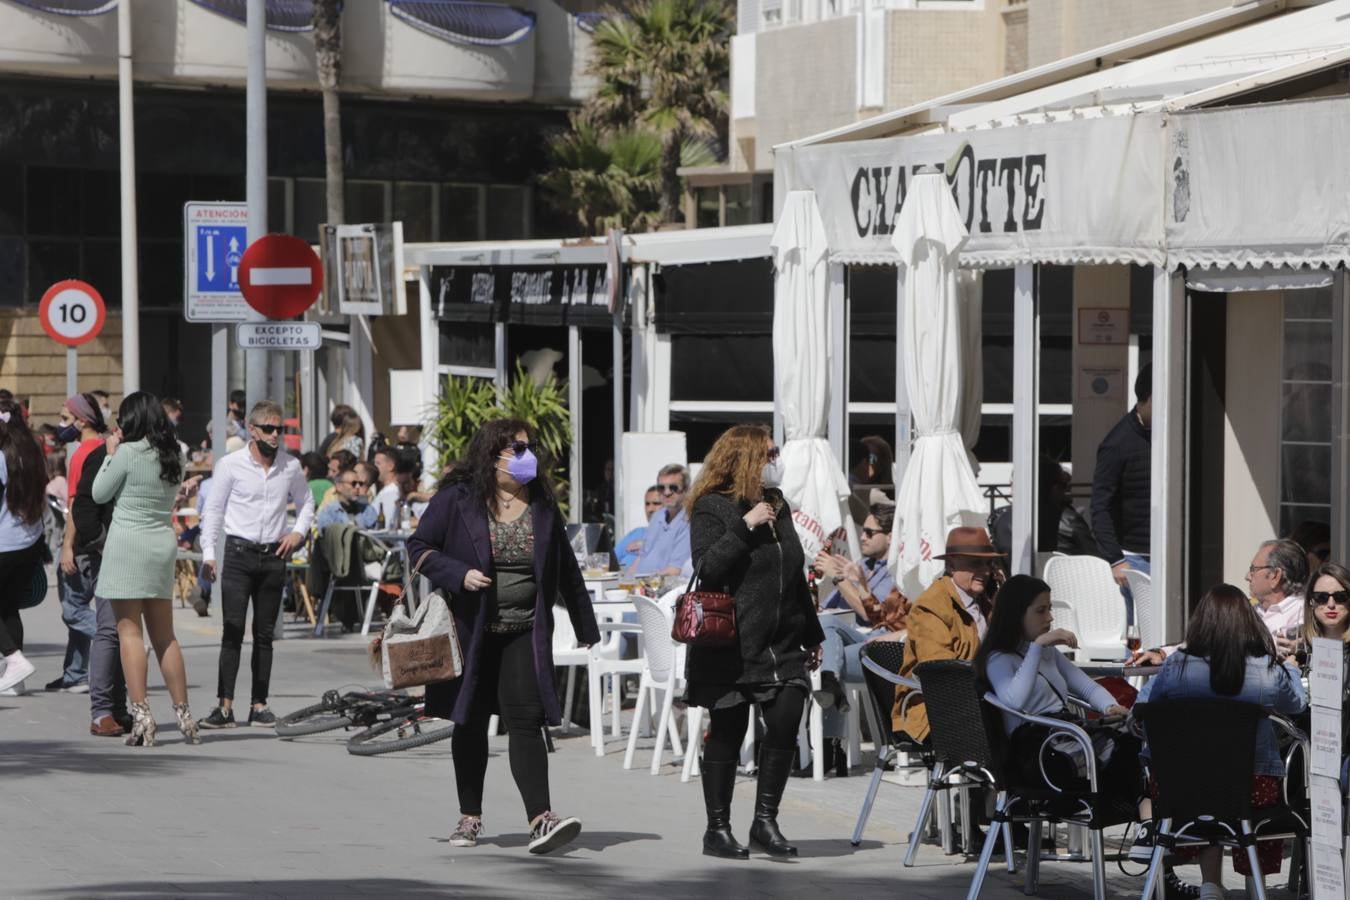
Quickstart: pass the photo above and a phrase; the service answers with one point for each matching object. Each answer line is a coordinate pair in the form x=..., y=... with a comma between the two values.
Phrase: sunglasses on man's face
x=268, y=429
x=670, y=488
x=871, y=532
x=357, y=484
x=1322, y=598
x=519, y=447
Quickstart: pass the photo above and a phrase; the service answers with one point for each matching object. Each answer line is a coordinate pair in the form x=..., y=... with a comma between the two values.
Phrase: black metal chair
x=962, y=755
x=1199, y=751
x=881, y=663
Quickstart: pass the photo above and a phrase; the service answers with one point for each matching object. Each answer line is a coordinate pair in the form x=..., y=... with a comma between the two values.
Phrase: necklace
x=508, y=497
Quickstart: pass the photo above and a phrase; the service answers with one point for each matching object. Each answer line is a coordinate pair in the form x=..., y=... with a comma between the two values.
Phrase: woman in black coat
x=743, y=542
x=494, y=543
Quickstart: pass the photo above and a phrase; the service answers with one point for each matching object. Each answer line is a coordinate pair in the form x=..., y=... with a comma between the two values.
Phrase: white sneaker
x=17, y=691
x=17, y=668
x=1211, y=891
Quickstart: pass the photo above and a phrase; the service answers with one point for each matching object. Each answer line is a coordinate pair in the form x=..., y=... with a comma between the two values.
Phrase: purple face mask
x=522, y=468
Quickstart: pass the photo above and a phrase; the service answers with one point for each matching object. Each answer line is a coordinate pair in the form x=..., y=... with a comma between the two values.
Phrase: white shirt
x=251, y=501
x=981, y=626
x=386, y=501
x=1285, y=614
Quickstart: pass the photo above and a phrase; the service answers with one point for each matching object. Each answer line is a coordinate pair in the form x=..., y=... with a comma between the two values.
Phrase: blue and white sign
x=215, y=237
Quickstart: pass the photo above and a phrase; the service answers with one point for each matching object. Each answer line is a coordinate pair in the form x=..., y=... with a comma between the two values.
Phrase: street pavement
x=247, y=814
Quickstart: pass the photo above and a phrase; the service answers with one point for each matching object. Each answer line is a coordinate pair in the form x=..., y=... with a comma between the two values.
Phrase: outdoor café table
x=1097, y=669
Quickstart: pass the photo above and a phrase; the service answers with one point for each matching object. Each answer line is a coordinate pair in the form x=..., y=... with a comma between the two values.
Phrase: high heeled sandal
x=187, y=724
x=142, y=726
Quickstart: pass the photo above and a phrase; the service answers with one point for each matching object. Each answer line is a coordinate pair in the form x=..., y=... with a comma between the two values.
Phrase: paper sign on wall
x=1101, y=384
x=1325, y=680
x=1102, y=325
x=1325, y=736
x=1328, y=875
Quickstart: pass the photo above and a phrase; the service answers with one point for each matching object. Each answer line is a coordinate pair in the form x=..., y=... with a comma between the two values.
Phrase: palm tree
x=665, y=64
x=328, y=62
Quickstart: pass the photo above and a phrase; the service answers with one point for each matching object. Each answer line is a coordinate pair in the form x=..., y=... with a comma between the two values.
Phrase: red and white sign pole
x=72, y=313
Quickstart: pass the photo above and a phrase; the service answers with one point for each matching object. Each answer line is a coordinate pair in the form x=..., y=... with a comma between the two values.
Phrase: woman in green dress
x=143, y=474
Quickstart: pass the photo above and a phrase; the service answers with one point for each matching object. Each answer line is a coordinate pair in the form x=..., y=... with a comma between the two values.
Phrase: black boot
x=774, y=767
x=718, y=780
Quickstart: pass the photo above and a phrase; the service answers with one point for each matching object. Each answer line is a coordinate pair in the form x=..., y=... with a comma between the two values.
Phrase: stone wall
x=1060, y=28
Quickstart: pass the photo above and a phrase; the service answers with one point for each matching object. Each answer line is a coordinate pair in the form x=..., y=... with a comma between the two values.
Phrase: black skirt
x=727, y=696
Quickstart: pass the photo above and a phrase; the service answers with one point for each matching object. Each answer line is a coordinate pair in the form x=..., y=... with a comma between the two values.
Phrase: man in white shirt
x=1277, y=576
x=250, y=493
x=390, y=495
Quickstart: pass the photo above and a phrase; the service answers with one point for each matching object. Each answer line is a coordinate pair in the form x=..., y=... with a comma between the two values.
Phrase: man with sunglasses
x=630, y=545
x=252, y=491
x=665, y=546
x=350, y=505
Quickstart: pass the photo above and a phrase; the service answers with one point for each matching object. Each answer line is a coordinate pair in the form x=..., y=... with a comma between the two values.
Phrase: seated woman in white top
x=1018, y=660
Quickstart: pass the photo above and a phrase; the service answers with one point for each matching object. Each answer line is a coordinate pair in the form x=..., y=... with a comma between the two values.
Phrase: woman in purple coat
x=499, y=552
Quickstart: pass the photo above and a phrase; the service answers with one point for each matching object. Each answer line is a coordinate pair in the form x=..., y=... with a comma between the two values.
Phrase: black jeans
x=249, y=572
x=782, y=718
x=507, y=685
x=17, y=568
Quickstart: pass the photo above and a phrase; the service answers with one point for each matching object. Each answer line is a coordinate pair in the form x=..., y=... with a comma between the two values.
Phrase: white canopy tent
x=939, y=491
x=813, y=480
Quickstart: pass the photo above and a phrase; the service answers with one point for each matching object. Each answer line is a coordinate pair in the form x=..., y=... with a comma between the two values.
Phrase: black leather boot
x=774, y=767
x=719, y=778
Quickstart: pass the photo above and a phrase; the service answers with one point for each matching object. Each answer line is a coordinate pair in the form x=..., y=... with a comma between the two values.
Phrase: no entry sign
x=280, y=276
x=72, y=312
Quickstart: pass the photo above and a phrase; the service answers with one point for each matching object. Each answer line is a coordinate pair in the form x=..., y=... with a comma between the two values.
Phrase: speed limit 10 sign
x=72, y=312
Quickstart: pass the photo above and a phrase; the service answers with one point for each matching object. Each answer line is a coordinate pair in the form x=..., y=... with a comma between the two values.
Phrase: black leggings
x=507, y=685
x=782, y=719
x=17, y=568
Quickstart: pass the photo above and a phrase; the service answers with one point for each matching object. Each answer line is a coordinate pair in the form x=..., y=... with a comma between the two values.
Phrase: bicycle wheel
x=311, y=720
x=414, y=730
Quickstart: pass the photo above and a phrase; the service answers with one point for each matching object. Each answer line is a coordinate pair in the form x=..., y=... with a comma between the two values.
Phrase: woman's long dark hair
x=141, y=416
x=1225, y=630
x=478, y=469
x=26, y=482
x=1005, y=633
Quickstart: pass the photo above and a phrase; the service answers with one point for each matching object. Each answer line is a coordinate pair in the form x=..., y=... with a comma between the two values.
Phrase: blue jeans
x=1140, y=563
x=841, y=653
x=77, y=612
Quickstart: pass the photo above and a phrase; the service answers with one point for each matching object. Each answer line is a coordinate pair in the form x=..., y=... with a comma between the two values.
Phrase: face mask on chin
x=266, y=449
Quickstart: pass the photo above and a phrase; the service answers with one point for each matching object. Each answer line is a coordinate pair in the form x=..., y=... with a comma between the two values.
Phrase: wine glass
x=1132, y=640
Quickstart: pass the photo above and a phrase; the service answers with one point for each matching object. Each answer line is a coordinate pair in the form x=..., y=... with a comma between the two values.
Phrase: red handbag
x=704, y=618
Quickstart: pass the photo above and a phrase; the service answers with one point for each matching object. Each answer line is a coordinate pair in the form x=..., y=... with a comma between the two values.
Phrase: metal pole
x=72, y=371
x=1026, y=417
x=220, y=388
x=902, y=408
x=1166, y=533
x=126, y=137
x=256, y=368
x=620, y=522
x=574, y=488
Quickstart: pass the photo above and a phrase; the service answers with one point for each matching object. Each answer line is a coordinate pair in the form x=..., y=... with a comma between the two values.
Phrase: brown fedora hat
x=968, y=541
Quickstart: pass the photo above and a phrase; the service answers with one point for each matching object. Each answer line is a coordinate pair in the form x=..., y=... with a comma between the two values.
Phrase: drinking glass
x=597, y=565
x=1132, y=638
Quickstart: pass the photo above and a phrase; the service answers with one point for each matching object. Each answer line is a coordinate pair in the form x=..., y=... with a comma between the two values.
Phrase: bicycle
x=390, y=721
x=353, y=709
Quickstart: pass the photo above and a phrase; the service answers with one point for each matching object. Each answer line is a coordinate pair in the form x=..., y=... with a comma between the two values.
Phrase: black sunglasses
x=519, y=447
x=268, y=429
x=872, y=532
x=357, y=483
x=1322, y=598
x=774, y=453
x=670, y=488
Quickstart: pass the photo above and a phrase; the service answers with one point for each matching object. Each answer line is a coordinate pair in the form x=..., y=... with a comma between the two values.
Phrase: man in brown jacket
x=949, y=619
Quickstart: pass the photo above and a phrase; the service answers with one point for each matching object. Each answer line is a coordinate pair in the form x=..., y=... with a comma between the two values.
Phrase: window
x=365, y=201
x=1307, y=373
x=11, y=200
x=311, y=207
x=413, y=207
x=53, y=200
x=461, y=205
x=738, y=204
x=707, y=207
x=508, y=212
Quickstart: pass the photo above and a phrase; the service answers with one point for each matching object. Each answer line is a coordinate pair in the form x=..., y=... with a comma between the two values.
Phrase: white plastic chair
x=569, y=653
x=605, y=662
x=1085, y=583
x=1145, y=616
x=662, y=677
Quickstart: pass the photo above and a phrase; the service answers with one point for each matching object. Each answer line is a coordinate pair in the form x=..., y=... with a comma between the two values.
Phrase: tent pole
x=838, y=415
x=1168, y=439
x=574, y=411
x=903, y=435
x=1026, y=413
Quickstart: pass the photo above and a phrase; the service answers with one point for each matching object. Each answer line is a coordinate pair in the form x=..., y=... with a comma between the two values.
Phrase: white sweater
x=1025, y=682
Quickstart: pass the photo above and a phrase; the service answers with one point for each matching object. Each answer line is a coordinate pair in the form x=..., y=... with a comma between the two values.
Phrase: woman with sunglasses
x=493, y=540
x=744, y=543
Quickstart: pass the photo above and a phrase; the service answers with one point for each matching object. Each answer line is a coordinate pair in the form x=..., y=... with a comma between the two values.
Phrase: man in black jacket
x=1122, y=487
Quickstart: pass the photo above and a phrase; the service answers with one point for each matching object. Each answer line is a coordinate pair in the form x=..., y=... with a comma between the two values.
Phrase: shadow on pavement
x=597, y=841
x=337, y=887
x=35, y=758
